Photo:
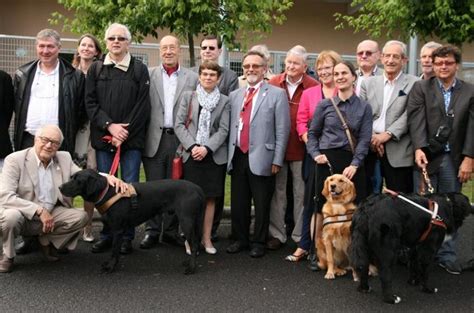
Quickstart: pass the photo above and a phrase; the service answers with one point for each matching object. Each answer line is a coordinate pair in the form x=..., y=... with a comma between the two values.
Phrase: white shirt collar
x=122, y=65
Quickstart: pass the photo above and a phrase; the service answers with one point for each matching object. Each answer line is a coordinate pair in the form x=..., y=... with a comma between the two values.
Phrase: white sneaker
x=87, y=234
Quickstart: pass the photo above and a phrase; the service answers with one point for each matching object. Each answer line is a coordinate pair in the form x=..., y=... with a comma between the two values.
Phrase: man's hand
x=198, y=153
x=420, y=158
x=119, y=131
x=47, y=221
x=380, y=139
x=350, y=171
x=321, y=159
x=465, y=170
x=120, y=185
x=275, y=169
x=116, y=142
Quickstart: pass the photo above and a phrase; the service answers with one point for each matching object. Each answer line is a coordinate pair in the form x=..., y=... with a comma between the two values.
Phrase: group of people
x=374, y=126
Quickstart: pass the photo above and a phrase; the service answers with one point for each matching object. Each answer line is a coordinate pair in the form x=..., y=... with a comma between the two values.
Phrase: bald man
x=168, y=82
x=368, y=55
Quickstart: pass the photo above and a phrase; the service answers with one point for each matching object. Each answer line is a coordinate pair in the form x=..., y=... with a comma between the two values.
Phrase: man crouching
x=30, y=201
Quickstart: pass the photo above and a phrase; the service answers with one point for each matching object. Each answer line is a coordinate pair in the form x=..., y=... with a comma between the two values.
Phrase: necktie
x=245, y=118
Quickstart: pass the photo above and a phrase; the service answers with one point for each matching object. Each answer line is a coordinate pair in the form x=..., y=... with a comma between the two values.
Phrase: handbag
x=177, y=163
x=350, y=137
x=437, y=143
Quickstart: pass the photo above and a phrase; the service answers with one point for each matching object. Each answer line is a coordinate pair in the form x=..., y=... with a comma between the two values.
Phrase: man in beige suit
x=30, y=201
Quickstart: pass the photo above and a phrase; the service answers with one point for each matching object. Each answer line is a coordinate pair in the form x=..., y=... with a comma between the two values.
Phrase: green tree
x=236, y=21
x=449, y=20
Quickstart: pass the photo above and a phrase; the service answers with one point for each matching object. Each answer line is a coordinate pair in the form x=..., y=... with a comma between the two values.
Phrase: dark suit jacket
x=426, y=112
x=6, y=111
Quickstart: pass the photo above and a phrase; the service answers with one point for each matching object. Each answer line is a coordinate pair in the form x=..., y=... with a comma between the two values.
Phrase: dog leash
x=425, y=181
x=116, y=161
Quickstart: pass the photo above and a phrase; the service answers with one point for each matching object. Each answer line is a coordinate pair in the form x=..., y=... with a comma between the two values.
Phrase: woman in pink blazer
x=309, y=100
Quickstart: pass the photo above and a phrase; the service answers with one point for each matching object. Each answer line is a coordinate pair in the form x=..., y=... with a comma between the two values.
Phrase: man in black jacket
x=48, y=91
x=6, y=111
x=118, y=105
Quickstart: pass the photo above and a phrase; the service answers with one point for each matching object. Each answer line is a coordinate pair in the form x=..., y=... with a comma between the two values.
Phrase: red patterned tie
x=245, y=118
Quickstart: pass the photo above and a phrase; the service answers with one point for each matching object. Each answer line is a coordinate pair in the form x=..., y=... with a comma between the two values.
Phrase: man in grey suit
x=441, y=122
x=259, y=131
x=168, y=82
x=387, y=95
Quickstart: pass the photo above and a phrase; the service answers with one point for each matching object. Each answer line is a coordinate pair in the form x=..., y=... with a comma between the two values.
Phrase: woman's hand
x=198, y=153
x=120, y=185
x=350, y=171
x=321, y=159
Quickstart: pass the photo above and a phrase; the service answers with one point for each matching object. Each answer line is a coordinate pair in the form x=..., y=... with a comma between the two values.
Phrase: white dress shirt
x=169, y=89
x=389, y=86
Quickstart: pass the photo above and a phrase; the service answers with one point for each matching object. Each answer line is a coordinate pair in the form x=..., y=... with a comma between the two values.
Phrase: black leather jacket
x=72, y=115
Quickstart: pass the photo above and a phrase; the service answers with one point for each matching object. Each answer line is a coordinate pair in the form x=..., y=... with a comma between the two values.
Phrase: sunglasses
x=46, y=140
x=248, y=66
x=445, y=63
x=119, y=38
x=212, y=48
x=367, y=53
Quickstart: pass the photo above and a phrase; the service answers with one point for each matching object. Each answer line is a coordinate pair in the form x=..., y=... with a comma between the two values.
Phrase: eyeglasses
x=212, y=48
x=392, y=55
x=119, y=38
x=445, y=63
x=46, y=140
x=367, y=53
x=249, y=66
x=325, y=68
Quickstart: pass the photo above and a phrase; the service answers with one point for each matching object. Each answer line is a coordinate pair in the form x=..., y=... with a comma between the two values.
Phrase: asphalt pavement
x=153, y=281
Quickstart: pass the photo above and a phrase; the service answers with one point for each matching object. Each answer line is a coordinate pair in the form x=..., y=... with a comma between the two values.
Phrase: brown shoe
x=6, y=265
x=274, y=244
x=49, y=253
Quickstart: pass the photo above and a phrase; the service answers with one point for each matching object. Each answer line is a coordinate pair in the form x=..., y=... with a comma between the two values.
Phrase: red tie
x=245, y=118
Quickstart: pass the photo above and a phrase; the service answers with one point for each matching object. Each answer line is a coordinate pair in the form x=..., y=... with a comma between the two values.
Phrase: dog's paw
x=340, y=272
x=189, y=270
x=107, y=268
x=364, y=289
x=428, y=289
x=329, y=275
x=394, y=299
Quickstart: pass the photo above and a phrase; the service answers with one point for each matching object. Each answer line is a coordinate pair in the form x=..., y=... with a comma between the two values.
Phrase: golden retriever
x=332, y=247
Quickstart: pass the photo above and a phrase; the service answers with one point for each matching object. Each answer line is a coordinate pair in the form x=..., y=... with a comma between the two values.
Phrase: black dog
x=184, y=198
x=383, y=223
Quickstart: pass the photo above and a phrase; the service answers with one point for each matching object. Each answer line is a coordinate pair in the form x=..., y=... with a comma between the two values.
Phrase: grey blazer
x=187, y=81
x=219, y=126
x=399, y=149
x=19, y=181
x=269, y=128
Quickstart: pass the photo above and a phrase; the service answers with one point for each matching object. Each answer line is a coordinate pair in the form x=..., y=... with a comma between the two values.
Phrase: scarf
x=208, y=102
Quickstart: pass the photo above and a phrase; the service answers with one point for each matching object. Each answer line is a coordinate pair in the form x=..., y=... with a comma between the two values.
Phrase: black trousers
x=396, y=178
x=245, y=187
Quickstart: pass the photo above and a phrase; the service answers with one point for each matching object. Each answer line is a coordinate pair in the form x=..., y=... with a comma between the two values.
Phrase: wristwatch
x=389, y=133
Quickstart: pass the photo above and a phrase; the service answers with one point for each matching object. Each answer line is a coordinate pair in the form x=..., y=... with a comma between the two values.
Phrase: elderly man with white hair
x=294, y=80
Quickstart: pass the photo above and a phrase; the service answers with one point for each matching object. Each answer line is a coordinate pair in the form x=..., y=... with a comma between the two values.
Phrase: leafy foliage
x=236, y=20
x=449, y=20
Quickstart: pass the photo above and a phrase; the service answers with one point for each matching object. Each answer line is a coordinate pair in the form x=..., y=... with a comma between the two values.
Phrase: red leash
x=116, y=161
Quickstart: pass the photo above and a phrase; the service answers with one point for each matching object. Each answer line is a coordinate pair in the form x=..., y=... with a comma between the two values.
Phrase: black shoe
x=149, y=241
x=27, y=245
x=101, y=246
x=236, y=247
x=257, y=251
x=313, y=262
x=126, y=247
x=451, y=267
x=274, y=244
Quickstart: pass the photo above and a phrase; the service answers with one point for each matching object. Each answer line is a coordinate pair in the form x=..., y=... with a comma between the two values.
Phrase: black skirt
x=206, y=174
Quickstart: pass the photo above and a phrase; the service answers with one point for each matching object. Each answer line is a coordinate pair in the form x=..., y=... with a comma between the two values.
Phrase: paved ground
x=153, y=280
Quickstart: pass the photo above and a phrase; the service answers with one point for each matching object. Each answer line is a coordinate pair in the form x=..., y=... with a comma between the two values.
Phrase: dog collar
x=129, y=193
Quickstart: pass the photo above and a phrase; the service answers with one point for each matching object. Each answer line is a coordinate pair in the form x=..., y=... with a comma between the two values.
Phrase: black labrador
x=184, y=198
x=384, y=222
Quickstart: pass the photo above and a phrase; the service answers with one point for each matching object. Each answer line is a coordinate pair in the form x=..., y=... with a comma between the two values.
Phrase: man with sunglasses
x=259, y=131
x=118, y=106
x=441, y=124
x=368, y=55
x=48, y=90
x=294, y=80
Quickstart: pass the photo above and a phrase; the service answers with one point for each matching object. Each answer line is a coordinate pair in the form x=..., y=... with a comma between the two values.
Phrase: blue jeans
x=130, y=161
x=445, y=180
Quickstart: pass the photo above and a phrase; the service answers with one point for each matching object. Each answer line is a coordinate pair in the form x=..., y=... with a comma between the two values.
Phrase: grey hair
x=299, y=51
x=396, y=42
x=430, y=45
x=40, y=131
x=128, y=35
x=49, y=33
x=263, y=50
